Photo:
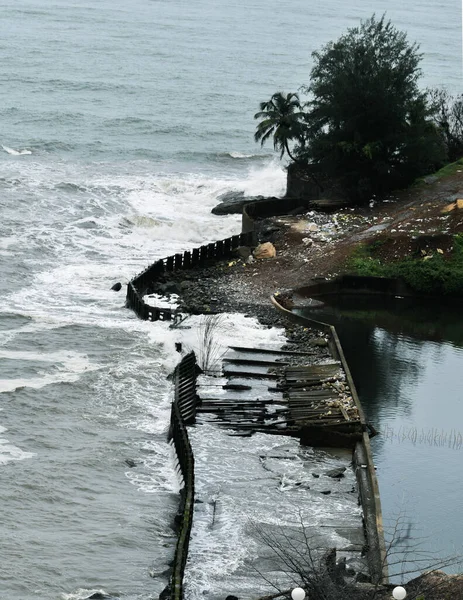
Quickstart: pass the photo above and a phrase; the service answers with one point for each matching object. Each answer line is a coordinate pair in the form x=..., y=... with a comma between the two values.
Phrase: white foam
x=67, y=367
x=10, y=452
x=241, y=155
x=83, y=593
x=14, y=152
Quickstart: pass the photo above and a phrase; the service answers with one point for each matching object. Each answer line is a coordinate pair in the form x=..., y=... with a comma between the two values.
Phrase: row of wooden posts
x=183, y=413
x=143, y=283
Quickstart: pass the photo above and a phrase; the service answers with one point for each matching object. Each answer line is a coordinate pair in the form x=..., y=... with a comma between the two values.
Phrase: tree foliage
x=448, y=116
x=281, y=117
x=365, y=125
x=367, y=120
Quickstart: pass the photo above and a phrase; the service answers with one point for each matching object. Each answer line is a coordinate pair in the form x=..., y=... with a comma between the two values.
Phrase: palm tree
x=282, y=117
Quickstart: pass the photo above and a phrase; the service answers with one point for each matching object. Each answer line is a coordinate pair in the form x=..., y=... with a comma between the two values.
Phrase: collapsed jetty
x=273, y=391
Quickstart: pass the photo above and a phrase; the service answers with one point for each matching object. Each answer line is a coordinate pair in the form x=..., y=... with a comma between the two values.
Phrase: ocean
x=120, y=125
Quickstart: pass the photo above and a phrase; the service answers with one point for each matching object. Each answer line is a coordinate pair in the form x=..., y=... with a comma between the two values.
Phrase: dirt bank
x=317, y=245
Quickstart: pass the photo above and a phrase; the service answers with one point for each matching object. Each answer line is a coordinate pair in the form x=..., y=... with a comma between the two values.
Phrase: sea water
x=120, y=125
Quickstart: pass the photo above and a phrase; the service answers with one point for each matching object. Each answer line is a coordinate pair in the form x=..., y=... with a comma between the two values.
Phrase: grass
x=431, y=275
x=445, y=171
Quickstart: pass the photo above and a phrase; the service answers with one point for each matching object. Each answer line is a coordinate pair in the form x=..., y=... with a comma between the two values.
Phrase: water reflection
x=407, y=362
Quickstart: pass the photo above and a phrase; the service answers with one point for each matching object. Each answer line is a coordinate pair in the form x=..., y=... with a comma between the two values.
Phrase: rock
x=311, y=227
x=231, y=597
x=307, y=242
x=325, y=492
x=336, y=473
x=430, y=179
x=230, y=203
x=130, y=462
x=233, y=203
x=243, y=252
x=316, y=475
x=170, y=287
x=449, y=208
x=265, y=250
x=321, y=342
x=232, y=196
x=117, y=287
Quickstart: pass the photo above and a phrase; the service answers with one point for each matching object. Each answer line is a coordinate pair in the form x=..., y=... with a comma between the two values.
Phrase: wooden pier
x=285, y=393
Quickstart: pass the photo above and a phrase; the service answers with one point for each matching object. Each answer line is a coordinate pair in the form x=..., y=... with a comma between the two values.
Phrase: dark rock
x=243, y=252
x=178, y=346
x=336, y=473
x=117, y=287
x=325, y=492
x=231, y=597
x=101, y=596
x=233, y=203
x=170, y=287
x=130, y=462
x=316, y=475
x=232, y=196
x=320, y=342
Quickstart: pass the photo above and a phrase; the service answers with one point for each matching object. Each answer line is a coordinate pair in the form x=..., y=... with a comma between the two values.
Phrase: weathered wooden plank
x=249, y=361
x=251, y=374
x=270, y=351
x=314, y=367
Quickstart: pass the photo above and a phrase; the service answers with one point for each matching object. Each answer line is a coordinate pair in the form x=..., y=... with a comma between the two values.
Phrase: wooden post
x=211, y=250
x=170, y=263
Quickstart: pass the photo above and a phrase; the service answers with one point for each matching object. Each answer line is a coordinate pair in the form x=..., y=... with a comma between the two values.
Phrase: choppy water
x=120, y=123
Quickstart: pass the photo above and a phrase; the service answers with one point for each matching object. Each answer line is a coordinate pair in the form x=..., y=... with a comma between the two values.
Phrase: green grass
x=436, y=275
x=446, y=171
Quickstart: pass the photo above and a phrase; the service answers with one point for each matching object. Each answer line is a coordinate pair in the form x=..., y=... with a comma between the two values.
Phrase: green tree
x=367, y=123
x=281, y=117
x=448, y=116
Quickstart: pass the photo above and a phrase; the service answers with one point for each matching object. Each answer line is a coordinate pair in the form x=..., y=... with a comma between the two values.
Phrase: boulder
x=242, y=252
x=336, y=473
x=233, y=202
x=265, y=250
x=455, y=205
x=117, y=287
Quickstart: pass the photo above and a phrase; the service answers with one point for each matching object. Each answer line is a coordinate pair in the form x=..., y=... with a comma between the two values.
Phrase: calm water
x=120, y=124
x=406, y=360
